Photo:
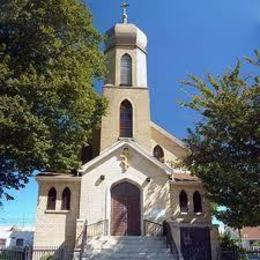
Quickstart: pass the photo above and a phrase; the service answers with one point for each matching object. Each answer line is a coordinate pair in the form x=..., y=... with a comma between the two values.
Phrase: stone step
x=128, y=250
x=102, y=256
x=127, y=238
x=113, y=244
x=114, y=241
x=131, y=258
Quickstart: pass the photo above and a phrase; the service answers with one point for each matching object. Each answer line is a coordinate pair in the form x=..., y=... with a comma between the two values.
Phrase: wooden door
x=195, y=243
x=125, y=212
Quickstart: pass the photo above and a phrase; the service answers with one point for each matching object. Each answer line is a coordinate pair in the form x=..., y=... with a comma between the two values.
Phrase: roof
x=126, y=35
x=126, y=143
x=5, y=231
x=56, y=174
x=49, y=176
x=251, y=233
x=168, y=135
x=184, y=177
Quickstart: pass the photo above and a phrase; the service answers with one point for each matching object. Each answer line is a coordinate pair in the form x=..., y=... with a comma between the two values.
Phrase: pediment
x=125, y=150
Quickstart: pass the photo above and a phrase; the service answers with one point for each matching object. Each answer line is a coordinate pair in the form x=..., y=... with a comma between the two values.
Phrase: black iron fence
x=235, y=254
x=152, y=228
x=28, y=253
x=12, y=254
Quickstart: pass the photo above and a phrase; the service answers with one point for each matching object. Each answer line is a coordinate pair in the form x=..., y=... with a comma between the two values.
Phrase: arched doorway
x=125, y=210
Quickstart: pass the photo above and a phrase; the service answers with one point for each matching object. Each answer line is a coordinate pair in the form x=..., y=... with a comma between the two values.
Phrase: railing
x=61, y=253
x=99, y=228
x=235, y=254
x=37, y=253
x=152, y=228
x=89, y=230
x=83, y=239
x=14, y=253
x=170, y=243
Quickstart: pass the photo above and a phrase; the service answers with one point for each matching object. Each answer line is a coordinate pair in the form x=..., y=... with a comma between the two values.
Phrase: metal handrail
x=170, y=240
x=153, y=228
x=98, y=228
x=98, y=222
x=84, y=239
x=150, y=221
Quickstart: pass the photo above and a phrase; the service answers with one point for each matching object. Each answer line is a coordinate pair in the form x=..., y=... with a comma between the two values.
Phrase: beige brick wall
x=54, y=228
x=172, y=151
x=139, y=98
x=139, y=65
x=190, y=216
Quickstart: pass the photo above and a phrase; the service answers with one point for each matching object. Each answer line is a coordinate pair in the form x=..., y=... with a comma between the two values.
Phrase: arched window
x=197, y=202
x=126, y=119
x=158, y=153
x=183, y=200
x=51, y=203
x=86, y=153
x=126, y=70
x=65, y=205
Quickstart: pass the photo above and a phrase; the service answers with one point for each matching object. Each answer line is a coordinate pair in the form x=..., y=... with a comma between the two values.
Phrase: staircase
x=129, y=248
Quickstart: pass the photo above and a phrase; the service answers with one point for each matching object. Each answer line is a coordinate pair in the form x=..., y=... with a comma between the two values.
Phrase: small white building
x=16, y=236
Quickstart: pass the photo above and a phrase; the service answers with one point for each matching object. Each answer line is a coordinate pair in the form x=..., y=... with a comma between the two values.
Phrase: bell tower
x=128, y=115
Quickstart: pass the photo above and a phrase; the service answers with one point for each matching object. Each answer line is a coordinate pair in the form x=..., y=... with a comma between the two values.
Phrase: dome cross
x=124, y=6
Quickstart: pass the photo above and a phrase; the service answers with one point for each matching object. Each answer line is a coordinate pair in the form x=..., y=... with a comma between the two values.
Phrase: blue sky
x=185, y=37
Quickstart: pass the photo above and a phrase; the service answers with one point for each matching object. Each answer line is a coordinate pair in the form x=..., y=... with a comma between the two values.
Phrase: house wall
x=96, y=194
x=26, y=236
x=9, y=236
x=56, y=227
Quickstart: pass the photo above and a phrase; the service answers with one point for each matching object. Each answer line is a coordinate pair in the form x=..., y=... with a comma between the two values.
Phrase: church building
x=127, y=201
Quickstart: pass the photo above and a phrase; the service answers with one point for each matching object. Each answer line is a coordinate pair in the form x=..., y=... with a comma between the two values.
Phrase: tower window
x=197, y=202
x=66, y=199
x=126, y=70
x=51, y=203
x=183, y=200
x=158, y=153
x=126, y=119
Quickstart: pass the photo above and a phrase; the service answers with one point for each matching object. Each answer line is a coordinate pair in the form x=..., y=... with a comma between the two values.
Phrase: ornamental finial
x=124, y=5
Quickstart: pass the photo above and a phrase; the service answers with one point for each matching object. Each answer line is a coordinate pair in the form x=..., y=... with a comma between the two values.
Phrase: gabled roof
x=251, y=233
x=168, y=135
x=126, y=143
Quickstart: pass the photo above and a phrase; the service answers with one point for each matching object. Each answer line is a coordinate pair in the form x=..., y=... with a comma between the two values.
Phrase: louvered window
x=126, y=70
x=126, y=119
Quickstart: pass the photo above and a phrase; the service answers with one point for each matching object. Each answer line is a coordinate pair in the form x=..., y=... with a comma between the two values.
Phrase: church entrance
x=125, y=211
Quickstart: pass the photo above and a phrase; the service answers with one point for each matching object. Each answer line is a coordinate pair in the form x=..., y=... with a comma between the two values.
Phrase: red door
x=125, y=213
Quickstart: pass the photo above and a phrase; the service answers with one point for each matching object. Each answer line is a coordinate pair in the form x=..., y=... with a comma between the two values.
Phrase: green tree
x=49, y=57
x=225, y=144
